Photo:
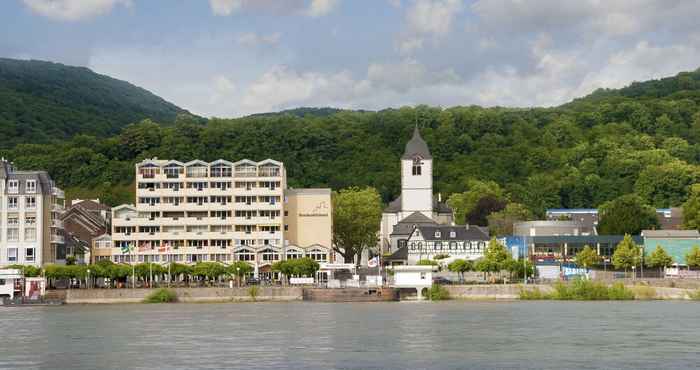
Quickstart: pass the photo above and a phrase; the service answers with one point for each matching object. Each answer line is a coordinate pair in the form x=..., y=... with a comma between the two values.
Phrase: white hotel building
x=31, y=231
x=219, y=211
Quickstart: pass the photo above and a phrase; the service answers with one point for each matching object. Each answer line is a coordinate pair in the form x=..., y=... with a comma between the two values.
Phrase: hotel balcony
x=57, y=239
x=57, y=207
x=57, y=223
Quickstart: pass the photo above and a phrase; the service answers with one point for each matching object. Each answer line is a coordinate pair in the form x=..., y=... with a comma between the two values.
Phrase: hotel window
x=13, y=186
x=317, y=255
x=30, y=202
x=30, y=234
x=11, y=254
x=416, y=167
x=270, y=255
x=29, y=255
x=30, y=220
x=12, y=220
x=31, y=186
x=245, y=255
x=437, y=234
x=294, y=254
x=453, y=234
x=197, y=171
x=13, y=235
x=12, y=203
x=438, y=246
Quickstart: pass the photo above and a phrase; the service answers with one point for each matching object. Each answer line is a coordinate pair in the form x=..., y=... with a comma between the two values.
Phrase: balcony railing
x=57, y=239
x=57, y=223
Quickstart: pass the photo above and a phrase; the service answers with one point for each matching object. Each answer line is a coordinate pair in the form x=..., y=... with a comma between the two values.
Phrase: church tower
x=416, y=178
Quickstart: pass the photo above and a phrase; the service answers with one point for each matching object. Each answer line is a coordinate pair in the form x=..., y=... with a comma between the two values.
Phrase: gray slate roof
x=405, y=226
x=416, y=146
x=44, y=183
x=439, y=207
x=462, y=232
x=671, y=234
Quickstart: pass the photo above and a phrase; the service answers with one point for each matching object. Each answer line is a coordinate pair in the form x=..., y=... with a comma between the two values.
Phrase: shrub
x=695, y=295
x=438, y=293
x=618, y=292
x=586, y=290
x=162, y=296
x=253, y=292
x=644, y=292
x=533, y=294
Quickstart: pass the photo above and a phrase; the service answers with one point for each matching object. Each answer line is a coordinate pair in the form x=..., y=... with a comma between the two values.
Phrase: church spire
x=416, y=146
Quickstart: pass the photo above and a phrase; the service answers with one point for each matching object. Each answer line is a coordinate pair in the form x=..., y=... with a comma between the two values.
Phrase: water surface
x=452, y=335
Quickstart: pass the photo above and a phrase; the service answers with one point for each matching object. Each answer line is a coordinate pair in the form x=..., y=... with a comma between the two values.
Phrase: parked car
x=441, y=280
x=252, y=281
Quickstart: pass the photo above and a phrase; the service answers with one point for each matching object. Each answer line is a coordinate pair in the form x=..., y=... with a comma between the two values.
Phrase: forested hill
x=41, y=101
x=643, y=139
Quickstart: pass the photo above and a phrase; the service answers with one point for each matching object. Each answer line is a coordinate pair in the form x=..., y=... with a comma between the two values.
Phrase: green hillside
x=44, y=101
x=642, y=139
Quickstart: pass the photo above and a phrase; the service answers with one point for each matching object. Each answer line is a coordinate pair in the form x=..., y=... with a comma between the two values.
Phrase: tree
x=659, y=258
x=464, y=203
x=496, y=257
x=483, y=208
x=692, y=258
x=356, y=217
x=691, y=209
x=626, y=254
x=587, y=257
x=666, y=185
x=626, y=214
x=239, y=269
x=460, y=266
x=501, y=223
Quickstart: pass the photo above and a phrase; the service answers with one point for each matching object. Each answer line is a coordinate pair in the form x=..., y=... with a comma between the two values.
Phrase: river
x=449, y=335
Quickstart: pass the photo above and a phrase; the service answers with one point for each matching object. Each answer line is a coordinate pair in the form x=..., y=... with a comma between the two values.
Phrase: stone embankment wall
x=351, y=295
x=500, y=291
x=492, y=291
x=280, y=294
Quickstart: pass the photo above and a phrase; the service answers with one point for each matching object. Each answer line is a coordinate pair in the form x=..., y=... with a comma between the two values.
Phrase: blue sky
x=229, y=58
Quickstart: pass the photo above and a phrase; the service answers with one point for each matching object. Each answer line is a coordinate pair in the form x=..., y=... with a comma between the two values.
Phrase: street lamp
x=88, y=278
x=238, y=275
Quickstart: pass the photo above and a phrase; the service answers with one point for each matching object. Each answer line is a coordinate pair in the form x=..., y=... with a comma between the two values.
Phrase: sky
x=229, y=58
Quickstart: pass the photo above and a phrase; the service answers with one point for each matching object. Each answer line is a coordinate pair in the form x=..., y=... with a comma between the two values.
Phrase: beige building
x=219, y=211
x=31, y=230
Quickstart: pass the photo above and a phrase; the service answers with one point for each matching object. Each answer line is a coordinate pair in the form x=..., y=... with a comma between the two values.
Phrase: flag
x=374, y=262
x=126, y=248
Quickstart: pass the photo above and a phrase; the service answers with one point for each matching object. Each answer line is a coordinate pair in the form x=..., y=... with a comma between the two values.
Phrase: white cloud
x=319, y=8
x=409, y=45
x=427, y=18
x=253, y=39
x=395, y=3
x=73, y=10
x=224, y=7
x=433, y=16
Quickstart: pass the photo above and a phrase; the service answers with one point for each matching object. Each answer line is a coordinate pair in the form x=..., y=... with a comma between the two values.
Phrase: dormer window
x=453, y=234
x=437, y=234
x=31, y=186
x=13, y=186
x=416, y=171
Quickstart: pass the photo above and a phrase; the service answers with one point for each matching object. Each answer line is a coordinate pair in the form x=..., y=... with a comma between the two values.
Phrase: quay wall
x=186, y=295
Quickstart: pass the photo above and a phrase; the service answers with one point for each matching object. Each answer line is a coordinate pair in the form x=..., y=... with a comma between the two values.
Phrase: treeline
x=644, y=139
x=41, y=102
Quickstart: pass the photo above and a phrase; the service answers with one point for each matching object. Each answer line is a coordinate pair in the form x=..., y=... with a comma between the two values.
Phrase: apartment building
x=31, y=230
x=219, y=211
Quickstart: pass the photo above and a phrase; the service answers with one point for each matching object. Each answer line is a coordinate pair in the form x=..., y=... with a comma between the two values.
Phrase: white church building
x=417, y=205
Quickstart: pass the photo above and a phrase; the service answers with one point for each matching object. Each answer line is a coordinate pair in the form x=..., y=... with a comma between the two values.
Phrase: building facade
x=669, y=218
x=416, y=200
x=220, y=211
x=451, y=242
x=83, y=221
x=31, y=230
x=677, y=243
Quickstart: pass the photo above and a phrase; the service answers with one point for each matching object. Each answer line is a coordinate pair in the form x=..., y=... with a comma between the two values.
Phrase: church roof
x=395, y=206
x=461, y=232
x=405, y=226
x=416, y=146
